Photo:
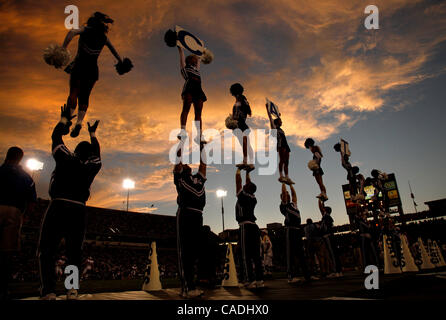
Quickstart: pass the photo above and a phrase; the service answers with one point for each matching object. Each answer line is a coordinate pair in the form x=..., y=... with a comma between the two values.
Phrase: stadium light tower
x=34, y=165
x=221, y=194
x=128, y=184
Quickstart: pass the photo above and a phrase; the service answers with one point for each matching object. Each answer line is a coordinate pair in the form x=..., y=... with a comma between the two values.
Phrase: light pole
x=128, y=184
x=221, y=194
x=34, y=165
x=413, y=198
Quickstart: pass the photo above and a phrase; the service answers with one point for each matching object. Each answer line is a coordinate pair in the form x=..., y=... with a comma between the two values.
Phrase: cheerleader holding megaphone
x=84, y=70
x=192, y=92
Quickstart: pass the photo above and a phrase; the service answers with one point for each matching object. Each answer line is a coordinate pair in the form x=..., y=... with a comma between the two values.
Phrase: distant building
x=437, y=206
x=274, y=226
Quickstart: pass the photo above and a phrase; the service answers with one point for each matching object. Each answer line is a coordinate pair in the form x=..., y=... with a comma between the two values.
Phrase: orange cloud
x=314, y=59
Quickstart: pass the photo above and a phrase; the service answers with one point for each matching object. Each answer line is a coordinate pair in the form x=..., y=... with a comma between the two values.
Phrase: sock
x=80, y=116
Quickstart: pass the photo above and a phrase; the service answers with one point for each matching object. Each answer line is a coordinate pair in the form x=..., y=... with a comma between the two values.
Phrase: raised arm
x=70, y=35
x=113, y=50
x=270, y=118
x=293, y=195
x=202, y=167
x=321, y=207
x=179, y=166
x=182, y=59
x=283, y=194
x=93, y=139
x=248, y=178
x=62, y=128
x=238, y=181
x=345, y=160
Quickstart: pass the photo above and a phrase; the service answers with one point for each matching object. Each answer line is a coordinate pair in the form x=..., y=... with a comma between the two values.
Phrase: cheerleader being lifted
x=192, y=93
x=83, y=69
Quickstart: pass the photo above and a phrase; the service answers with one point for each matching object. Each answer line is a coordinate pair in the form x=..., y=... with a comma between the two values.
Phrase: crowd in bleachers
x=112, y=225
x=108, y=262
x=348, y=244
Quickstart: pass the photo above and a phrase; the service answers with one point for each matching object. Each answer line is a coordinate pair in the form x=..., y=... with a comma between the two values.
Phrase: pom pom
x=207, y=56
x=170, y=38
x=56, y=56
x=231, y=123
x=312, y=165
x=124, y=66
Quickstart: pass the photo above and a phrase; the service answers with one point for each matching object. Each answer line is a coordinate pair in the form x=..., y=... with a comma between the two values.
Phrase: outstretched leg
x=84, y=97
x=284, y=158
x=245, y=149
x=320, y=182
x=248, y=152
x=198, y=108
x=187, y=102
x=281, y=165
x=74, y=93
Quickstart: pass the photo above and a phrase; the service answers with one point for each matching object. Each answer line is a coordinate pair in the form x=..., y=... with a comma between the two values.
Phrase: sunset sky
x=381, y=90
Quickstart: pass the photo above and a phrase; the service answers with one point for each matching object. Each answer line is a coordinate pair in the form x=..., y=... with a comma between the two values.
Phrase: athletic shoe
x=182, y=135
x=72, y=294
x=75, y=132
x=260, y=284
x=282, y=179
x=249, y=167
x=288, y=181
x=295, y=280
x=49, y=296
